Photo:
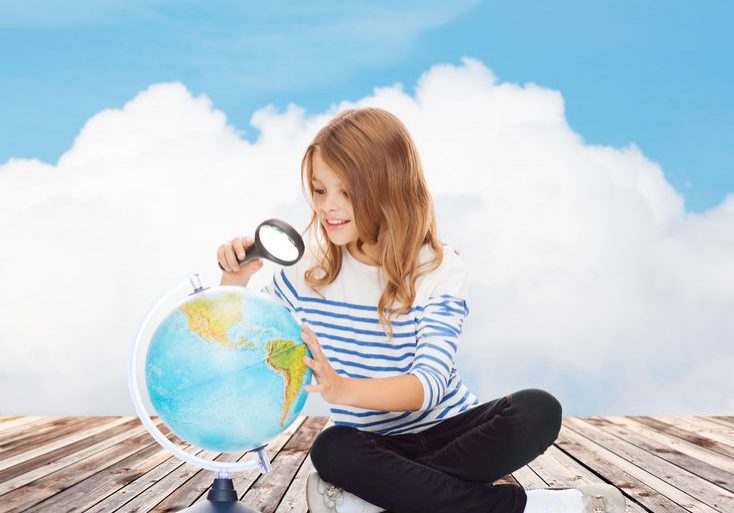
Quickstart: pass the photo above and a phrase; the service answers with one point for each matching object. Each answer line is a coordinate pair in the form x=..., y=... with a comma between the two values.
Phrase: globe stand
x=222, y=498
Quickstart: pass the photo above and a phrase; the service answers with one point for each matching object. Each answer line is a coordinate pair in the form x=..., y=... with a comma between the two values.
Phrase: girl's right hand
x=227, y=255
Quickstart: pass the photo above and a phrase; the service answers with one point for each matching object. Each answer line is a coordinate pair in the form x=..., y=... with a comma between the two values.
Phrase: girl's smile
x=330, y=226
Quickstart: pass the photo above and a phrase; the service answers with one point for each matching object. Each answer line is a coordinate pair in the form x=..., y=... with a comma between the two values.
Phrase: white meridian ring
x=220, y=467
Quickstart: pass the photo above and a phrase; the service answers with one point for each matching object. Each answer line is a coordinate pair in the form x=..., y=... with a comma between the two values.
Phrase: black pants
x=449, y=467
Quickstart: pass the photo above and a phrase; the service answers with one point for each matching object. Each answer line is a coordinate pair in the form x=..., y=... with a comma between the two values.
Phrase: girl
x=387, y=300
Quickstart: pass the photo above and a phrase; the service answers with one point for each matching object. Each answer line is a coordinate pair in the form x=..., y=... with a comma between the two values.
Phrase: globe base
x=220, y=507
x=222, y=498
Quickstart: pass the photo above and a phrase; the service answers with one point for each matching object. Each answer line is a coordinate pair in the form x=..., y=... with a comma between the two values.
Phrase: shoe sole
x=312, y=486
x=610, y=492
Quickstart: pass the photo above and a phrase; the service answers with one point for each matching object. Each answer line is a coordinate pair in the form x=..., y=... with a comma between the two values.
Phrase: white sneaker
x=324, y=497
x=597, y=497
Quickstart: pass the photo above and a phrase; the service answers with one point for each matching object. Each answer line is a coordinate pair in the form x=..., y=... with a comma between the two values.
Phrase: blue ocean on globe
x=224, y=369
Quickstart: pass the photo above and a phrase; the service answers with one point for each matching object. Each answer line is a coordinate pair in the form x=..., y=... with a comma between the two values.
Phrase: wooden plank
x=14, y=465
x=724, y=421
x=86, y=493
x=703, y=427
x=165, y=487
x=660, y=464
x=42, y=438
x=56, y=482
x=526, y=477
x=161, y=488
x=31, y=470
x=699, y=460
x=294, y=500
x=558, y=469
x=266, y=492
x=244, y=481
x=12, y=424
x=652, y=466
x=37, y=434
x=196, y=486
x=664, y=447
x=142, y=485
x=596, y=458
x=683, y=434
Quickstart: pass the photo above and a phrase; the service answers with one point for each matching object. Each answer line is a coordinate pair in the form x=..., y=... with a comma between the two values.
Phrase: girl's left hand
x=329, y=383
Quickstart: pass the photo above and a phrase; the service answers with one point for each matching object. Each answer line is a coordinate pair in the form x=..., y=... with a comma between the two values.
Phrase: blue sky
x=655, y=73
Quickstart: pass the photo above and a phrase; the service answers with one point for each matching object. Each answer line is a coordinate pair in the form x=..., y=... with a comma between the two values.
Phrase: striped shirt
x=425, y=339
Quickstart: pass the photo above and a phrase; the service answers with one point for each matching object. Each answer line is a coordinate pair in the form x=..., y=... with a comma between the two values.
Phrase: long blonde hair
x=375, y=158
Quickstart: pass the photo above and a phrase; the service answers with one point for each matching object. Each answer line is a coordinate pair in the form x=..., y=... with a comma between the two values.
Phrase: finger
x=223, y=258
x=312, y=344
x=316, y=351
x=239, y=248
x=309, y=349
x=220, y=257
x=313, y=364
x=231, y=257
x=317, y=367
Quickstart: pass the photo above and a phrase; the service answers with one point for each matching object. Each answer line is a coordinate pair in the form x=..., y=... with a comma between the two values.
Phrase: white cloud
x=589, y=278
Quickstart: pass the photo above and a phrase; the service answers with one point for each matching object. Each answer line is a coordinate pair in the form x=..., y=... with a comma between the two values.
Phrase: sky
x=577, y=160
x=654, y=73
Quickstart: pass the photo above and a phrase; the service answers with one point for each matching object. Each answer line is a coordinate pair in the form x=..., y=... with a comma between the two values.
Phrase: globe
x=224, y=369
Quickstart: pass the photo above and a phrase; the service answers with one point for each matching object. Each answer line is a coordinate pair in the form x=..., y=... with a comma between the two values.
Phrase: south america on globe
x=224, y=369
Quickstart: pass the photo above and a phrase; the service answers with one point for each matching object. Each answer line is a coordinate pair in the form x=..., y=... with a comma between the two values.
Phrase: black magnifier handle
x=251, y=252
x=258, y=250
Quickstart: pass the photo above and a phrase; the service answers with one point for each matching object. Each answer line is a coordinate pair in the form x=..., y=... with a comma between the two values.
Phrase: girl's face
x=332, y=203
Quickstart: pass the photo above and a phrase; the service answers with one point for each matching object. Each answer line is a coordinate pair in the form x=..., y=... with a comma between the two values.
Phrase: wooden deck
x=60, y=464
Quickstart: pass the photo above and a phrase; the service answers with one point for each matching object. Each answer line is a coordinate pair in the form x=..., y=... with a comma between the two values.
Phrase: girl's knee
x=330, y=448
x=543, y=410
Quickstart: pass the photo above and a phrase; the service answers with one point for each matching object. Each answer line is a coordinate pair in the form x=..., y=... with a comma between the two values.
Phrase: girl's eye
x=321, y=191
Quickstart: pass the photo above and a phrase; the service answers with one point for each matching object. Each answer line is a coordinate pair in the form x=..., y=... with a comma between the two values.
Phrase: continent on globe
x=286, y=358
x=224, y=369
x=211, y=317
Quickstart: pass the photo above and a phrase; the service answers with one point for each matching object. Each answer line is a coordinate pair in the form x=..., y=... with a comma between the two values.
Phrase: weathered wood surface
x=101, y=464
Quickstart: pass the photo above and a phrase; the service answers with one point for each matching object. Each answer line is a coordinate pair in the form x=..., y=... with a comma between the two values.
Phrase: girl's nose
x=330, y=203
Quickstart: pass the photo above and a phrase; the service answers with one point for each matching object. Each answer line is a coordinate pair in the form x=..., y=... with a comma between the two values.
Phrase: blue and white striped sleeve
x=439, y=329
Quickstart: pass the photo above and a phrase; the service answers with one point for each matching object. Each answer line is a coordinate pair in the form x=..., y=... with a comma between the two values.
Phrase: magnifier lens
x=278, y=243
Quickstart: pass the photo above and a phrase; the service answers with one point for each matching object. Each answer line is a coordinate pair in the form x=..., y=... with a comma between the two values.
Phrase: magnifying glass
x=277, y=241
